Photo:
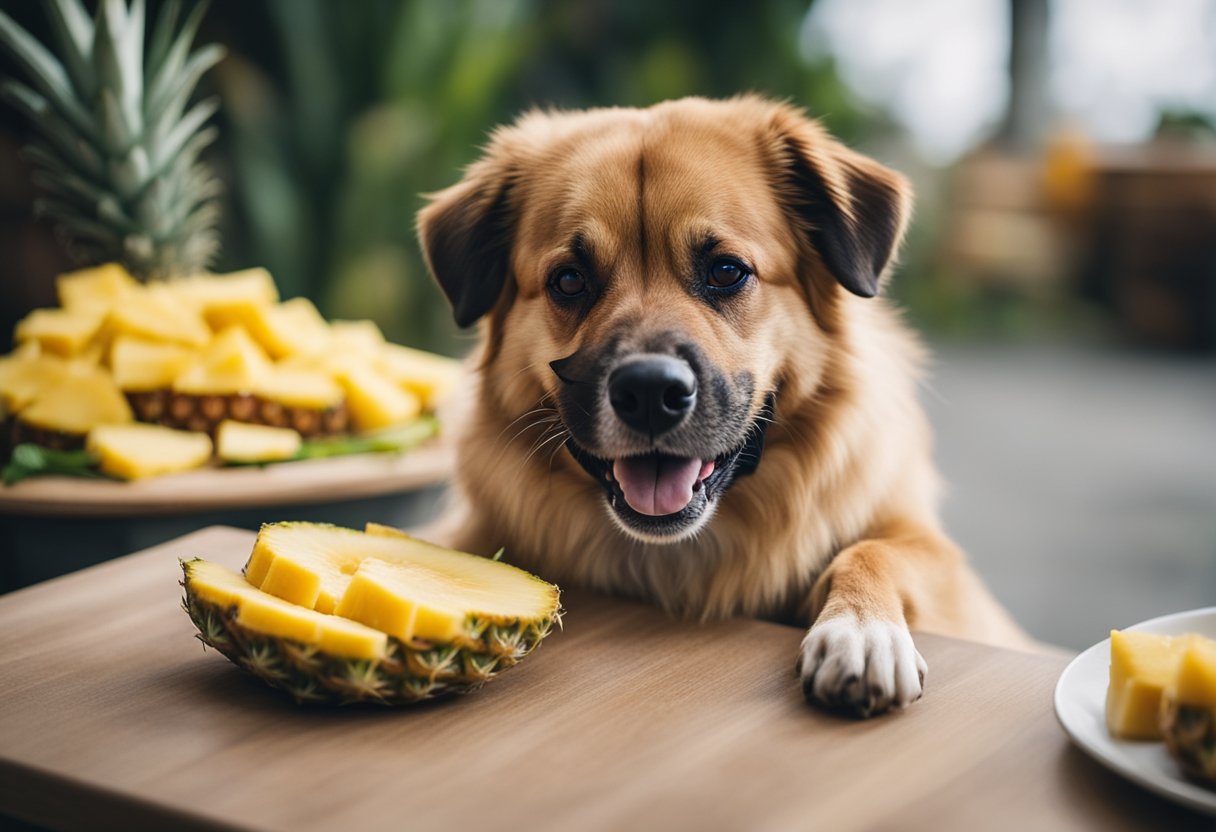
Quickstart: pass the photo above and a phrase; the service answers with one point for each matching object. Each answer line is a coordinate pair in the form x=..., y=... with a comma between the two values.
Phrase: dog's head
x=657, y=276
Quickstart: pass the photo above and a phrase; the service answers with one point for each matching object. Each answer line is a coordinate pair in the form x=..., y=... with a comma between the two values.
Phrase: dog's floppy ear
x=853, y=209
x=465, y=233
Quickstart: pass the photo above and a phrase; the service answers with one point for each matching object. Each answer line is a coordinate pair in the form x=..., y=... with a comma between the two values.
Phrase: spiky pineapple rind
x=409, y=672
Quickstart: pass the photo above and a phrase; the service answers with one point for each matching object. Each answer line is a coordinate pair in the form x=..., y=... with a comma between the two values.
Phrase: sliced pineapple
x=448, y=621
x=26, y=373
x=231, y=363
x=360, y=338
x=241, y=442
x=1141, y=666
x=155, y=313
x=428, y=376
x=136, y=451
x=265, y=614
x=63, y=332
x=417, y=584
x=142, y=365
x=216, y=294
x=96, y=289
x=299, y=388
x=82, y=399
x=375, y=401
x=283, y=329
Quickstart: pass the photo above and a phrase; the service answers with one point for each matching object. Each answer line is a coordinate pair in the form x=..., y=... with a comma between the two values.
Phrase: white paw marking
x=863, y=667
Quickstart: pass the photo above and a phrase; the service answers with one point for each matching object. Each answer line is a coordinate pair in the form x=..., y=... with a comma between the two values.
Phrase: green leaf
x=497, y=556
x=394, y=440
x=162, y=36
x=73, y=30
x=79, y=154
x=46, y=73
x=162, y=74
x=30, y=460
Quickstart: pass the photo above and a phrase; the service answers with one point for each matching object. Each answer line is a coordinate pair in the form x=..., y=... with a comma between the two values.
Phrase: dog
x=688, y=390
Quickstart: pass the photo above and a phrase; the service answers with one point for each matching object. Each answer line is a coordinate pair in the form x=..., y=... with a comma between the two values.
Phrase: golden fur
x=841, y=516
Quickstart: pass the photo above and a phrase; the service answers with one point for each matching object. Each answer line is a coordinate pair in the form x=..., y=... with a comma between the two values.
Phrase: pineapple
x=1188, y=712
x=60, y=415
x=156, y=314
x=213, y=294
x=64, y=332
x=284, y=329
x=375, y=401
x=97, y=288
x=136, y=451
x=118, y=155
x=139, y=365
x=26, y=373
x=431, y=621
x=240, y=442
x=428, y=376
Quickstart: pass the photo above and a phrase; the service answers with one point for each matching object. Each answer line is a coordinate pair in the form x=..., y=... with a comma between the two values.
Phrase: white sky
x=939, y=66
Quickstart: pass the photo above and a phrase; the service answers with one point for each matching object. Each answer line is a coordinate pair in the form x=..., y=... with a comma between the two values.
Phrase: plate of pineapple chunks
x=1143, y=703
x=129, y=381
x=337, y=616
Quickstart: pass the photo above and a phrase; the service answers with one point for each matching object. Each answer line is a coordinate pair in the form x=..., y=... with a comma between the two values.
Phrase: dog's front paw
x=863, y=667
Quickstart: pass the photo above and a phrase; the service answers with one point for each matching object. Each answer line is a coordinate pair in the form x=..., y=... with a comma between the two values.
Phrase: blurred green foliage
x=338, y=116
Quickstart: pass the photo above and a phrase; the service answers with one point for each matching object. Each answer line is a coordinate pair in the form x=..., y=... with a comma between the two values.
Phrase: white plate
x=1081, y=708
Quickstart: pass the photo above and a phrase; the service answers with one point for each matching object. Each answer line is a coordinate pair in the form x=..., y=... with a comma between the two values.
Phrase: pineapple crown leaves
x=117, y=152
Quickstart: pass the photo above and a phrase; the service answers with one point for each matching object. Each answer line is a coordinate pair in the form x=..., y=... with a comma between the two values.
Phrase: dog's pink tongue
x=656, y=485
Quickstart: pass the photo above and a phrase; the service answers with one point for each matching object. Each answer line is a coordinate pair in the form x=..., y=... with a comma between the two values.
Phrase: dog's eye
x=569, y=283
x=727, y=273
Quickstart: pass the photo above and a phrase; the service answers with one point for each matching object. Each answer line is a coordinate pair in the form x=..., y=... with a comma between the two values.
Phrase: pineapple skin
x=203, y=413
x=1189, y=732
x=410, y=672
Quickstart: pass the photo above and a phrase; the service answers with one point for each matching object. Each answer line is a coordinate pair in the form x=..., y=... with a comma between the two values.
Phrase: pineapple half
x=340, y=616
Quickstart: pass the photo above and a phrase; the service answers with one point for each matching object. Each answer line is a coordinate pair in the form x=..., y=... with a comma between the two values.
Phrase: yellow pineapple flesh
x=428, y=376
x=96, y=288
x=426, y=591
x=283, y=329
x=26, y=373
x=141, y=365
x=64, y=332
x=136, y=451
x=242, y=442
x=214, y=294
x=375, y=401
x=156, y=314
x=81, y=400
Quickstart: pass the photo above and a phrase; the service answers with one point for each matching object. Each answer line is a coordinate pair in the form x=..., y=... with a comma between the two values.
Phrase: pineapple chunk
x=157, y=314
x=232, y=363
x=25, y=374
x=215, y=294
x=1141, y=666
x=266, y=614
x=411, y=589
x=428, y=376
x=140, y=365
x=139, y=450
x=61, y=331
x=1188, y=712
x=299, y=388
x=241, y=442
x=361, y=338
x=95, y=289
x=375, y=401
x=284, y=329
x=1195, y=681
x=81, y=400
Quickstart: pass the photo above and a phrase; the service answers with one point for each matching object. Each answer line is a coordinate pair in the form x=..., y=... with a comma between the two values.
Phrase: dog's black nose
x=652, y=393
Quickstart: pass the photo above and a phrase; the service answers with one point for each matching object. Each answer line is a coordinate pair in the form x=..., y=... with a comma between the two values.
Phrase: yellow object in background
x=137, y=450
x=242, y=442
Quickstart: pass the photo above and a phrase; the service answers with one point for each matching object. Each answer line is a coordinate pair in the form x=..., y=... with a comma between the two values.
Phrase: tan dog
x=686, y=391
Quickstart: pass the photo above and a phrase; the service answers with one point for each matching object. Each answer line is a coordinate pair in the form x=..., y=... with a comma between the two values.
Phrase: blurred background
x=1062, y=260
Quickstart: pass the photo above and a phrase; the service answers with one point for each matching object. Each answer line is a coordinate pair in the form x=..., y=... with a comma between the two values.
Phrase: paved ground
x=1082, y=481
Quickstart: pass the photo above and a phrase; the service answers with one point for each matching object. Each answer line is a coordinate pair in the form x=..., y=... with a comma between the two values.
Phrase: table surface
x=214, y=489
x=113, y=716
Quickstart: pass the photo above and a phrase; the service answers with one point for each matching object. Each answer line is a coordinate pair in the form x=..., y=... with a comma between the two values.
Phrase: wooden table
x=112, y=716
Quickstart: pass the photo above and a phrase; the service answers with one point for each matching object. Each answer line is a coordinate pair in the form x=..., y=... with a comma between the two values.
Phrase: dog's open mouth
x=661, y=497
